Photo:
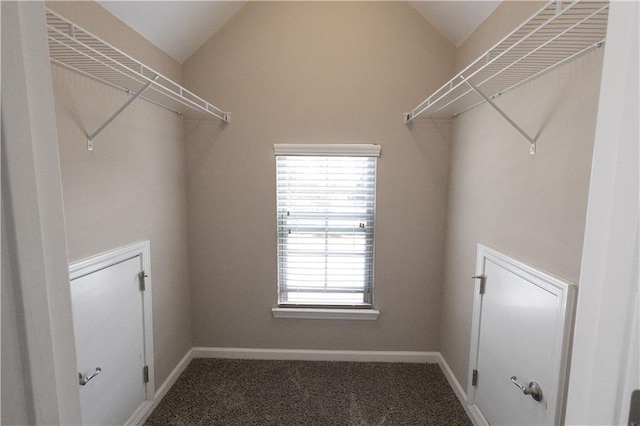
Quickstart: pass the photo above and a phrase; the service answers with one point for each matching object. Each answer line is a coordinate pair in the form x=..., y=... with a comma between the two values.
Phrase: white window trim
x=356, y=150
x=353, y=150
x=326, y=313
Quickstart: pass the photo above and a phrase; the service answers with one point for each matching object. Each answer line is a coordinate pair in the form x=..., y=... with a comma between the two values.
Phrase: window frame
x=331, y=311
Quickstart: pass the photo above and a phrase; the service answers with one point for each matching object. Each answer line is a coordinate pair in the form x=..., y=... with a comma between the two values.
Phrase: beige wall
x=316, y=72
x=132, y=187
x=531, y=207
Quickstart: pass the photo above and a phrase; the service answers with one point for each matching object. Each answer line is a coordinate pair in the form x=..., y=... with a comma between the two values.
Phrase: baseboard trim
x=475, y=415
x=173, y=376
x=457, y=389
x=141, y=414
x=451, y=378
x=317, y=355
x=162, y=390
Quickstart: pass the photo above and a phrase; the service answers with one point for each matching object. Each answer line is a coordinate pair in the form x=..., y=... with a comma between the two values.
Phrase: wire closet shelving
x=77, y=50
x=556, y=34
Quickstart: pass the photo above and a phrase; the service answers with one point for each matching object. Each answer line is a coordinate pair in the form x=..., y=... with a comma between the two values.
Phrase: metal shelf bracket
x=556, y=34
x=118, y=112
x=488, y=100
x=76, y=49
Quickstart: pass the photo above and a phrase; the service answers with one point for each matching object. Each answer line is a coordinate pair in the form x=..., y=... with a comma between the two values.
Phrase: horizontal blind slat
x=326, y=214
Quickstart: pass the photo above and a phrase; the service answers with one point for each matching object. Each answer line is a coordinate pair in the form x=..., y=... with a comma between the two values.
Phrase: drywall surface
x=131, y=188
x=316, y=72
x=532, y=207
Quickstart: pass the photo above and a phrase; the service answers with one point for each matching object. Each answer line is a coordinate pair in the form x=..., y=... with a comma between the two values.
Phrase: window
x=325, y=225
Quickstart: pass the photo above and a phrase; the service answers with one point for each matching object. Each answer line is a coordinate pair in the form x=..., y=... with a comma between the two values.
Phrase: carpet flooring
x=256, y=392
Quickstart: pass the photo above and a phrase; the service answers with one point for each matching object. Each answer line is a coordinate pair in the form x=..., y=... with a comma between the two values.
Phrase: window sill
x=326, y=313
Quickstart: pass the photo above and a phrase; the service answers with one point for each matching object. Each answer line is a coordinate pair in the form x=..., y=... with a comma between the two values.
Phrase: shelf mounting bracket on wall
x=488, y=100
x=75, y=49
x=117, y=113
x=557, y=33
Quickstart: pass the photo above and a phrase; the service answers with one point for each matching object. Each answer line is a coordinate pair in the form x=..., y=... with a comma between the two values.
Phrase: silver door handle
x=533, y=389
x=85, y=379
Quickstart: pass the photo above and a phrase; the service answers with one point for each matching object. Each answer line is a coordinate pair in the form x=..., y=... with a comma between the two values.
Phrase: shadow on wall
x=200, y=135
x=433, y=137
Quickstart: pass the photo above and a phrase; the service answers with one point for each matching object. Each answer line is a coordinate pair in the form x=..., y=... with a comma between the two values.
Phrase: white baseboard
x=162, y=390
x=475, y=415
x=457, y=389
x=451, y=378
x=317, y=355
x=141, y=414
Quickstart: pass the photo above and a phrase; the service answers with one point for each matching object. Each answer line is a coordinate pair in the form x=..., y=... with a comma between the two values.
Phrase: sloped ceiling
x=455, y=20
x=179, y=28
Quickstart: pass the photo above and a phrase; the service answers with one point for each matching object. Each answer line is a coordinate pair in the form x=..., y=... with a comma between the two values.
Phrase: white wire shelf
x=554, y=35
x=76, y=49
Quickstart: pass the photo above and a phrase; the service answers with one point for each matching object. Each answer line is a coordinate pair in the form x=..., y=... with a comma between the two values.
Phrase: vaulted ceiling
x=179, y=28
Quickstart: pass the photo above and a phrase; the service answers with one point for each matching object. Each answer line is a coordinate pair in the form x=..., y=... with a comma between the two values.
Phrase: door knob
x=85, y=379
x=533, y=389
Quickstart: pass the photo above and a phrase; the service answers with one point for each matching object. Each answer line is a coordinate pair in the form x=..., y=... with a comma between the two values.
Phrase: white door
x=109, y=323
x=520, y=336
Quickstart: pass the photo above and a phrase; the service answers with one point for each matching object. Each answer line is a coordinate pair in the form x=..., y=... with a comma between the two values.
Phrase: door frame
x=604, y=362
x=565, y=292
x=112, y=257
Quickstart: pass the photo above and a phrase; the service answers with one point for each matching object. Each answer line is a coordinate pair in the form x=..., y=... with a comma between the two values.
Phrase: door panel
x=517, y=339
x=521, y=327
x=108, y=325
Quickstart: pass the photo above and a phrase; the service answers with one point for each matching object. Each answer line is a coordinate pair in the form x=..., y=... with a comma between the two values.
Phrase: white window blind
x=326, y=219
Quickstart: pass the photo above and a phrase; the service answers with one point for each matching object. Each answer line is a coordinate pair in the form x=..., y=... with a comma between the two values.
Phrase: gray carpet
x=252, y=392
